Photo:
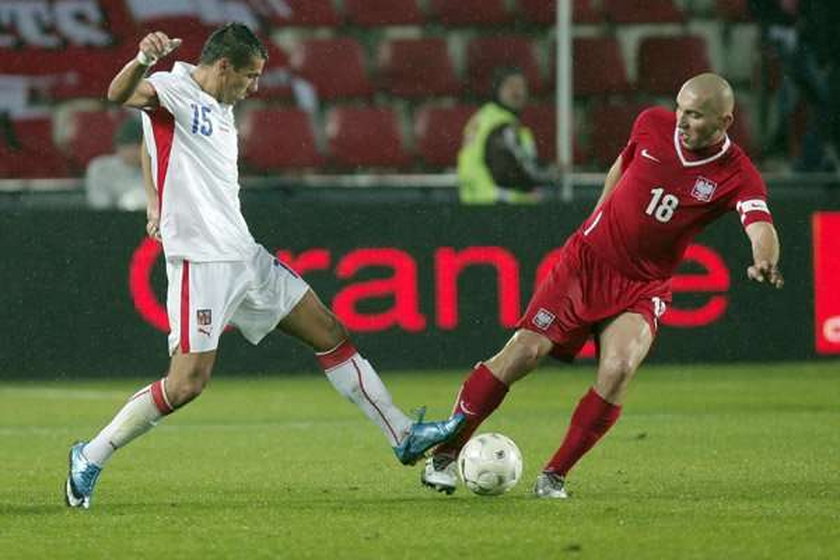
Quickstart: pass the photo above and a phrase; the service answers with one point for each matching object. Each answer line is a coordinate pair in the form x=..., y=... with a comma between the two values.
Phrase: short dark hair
x=234, y=41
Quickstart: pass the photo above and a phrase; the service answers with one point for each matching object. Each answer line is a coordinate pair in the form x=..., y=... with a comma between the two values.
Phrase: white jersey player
x=217, y=274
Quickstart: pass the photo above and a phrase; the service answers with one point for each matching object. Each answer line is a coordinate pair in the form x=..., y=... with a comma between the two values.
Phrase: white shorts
x=204, y=297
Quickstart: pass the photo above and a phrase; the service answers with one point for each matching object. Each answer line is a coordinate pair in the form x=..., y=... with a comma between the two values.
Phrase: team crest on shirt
x=543, y=319
x=204, y=317
x=703, y=189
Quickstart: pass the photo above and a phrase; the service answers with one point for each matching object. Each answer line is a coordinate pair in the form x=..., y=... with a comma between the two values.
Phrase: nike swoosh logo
x=464, y=409
x=647, y=154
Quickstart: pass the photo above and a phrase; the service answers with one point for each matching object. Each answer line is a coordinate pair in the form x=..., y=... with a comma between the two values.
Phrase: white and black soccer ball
x=490, y=464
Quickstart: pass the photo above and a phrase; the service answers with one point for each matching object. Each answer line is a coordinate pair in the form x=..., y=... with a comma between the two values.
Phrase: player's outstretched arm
x=128, y=87
x=765, y=250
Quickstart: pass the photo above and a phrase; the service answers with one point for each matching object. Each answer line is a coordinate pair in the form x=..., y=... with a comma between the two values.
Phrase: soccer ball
x=490, y=464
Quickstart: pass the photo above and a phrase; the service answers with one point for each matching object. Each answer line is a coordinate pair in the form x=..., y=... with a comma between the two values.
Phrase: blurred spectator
x=498, y=157
x=116, y=180
x=803, y=34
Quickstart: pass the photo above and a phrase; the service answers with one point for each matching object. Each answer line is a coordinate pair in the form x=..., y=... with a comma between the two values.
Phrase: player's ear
x=727, y=120
x=224, y=64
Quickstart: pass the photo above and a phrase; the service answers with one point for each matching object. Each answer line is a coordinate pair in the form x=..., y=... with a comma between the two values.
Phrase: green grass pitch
x=706, y=462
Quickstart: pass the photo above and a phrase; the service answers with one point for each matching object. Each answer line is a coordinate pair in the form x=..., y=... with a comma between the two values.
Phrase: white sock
x=138, y=416
x=355, y=378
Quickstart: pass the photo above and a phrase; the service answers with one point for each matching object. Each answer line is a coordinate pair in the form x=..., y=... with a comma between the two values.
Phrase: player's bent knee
x=614, y=372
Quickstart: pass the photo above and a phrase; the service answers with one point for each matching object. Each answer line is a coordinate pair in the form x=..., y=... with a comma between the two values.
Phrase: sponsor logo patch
x=543, y=319
x=703, y=189
x=204, y=317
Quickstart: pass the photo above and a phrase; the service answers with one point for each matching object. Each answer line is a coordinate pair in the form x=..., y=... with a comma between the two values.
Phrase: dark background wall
x=67, y=309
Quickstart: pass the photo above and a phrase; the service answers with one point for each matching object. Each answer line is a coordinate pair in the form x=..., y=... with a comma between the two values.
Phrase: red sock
x=479, y=396
x=590, y=421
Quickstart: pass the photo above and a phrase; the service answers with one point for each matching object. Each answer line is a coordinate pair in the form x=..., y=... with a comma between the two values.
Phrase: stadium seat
x=610, y=130
x=470, y=12
x=439, y=132
x=597, y=66
x=280, y=139
x=372, y=13
x=417, y=68
x=666, y=62
x=91, y=134
x=733, y=10
x=486, y=54
x=740, y=131
x=641, y=11
x=335, y=67
x=27, y=151
x=307, y=13
x=365, y=137
x=542, y=120
x=274, y=82
x=544, y=12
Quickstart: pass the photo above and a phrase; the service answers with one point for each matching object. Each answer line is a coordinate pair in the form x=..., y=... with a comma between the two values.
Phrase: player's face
x=239, y=83
x=698, y=123
x=513, y=92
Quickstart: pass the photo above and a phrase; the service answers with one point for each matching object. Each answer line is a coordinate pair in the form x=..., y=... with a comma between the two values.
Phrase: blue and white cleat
x=81, y=478
x=424, y=435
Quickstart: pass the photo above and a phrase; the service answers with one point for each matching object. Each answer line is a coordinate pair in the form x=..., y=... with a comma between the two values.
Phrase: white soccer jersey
x=192, y=141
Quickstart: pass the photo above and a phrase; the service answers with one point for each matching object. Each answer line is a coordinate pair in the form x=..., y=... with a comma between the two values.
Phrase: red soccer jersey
x=667, y=195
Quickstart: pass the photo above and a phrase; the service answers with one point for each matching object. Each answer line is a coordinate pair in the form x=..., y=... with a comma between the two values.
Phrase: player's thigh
x=314, y=324
x=623, y=344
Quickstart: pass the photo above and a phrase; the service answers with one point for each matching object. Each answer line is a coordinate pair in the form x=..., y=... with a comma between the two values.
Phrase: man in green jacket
x=498, y=158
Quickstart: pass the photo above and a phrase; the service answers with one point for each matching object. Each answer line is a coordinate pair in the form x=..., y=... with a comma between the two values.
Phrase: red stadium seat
x=740, y=131
x=32, y=154
x=733, y=10
x=542, y=120
x=365, y=137
x=470, y=12
x=597, y=66
x=307, y=13
x=335, y=67
x=417, y=68
x=666, y=62
x=372, y=13
x=544, y=12
x=91, y=134
x=642, y=11
x=439, y=132
x=280, y=139
x=486, y=54
x=610, y=130
x=274, y=82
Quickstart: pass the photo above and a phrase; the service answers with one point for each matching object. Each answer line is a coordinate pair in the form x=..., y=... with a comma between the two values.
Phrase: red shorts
x=581, y=292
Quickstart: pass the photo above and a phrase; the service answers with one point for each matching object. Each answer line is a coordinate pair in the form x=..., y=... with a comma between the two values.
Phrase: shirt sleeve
x=640, y=128
x=751, y=199
x=166, y=87
x=510, y=165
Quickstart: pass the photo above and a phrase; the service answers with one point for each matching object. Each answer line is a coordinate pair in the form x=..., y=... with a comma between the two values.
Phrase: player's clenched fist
x=155, y=46
x=766, y=272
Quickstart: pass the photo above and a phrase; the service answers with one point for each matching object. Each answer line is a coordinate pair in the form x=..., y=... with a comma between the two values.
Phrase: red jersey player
x=678, y=173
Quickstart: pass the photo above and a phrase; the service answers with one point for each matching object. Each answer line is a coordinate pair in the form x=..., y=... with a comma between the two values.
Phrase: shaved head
x=704, y=110
x=714, y=93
